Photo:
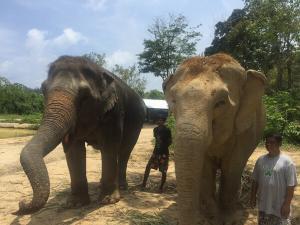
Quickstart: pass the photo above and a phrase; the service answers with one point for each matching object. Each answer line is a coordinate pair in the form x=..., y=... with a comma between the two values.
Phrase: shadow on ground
x=55, y=213
x=136, y=206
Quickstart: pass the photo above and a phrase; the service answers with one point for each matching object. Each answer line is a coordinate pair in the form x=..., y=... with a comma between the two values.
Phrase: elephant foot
x=106, y=198
x=75, y=201
x=229, y=217
x=209, y=208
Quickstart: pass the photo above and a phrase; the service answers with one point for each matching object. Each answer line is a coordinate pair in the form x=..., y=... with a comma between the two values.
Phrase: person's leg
x=163, y=180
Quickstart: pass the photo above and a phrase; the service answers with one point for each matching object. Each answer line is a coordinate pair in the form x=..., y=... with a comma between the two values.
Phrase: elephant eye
x=220, y=103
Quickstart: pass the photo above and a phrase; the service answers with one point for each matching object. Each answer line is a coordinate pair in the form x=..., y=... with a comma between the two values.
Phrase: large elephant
x=84, y=103
x=219, y=122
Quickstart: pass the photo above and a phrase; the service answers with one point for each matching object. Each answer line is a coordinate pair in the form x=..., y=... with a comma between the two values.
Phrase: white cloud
x=36, y=41
x=95, y=4
x=69, y=37
x=29, y=64
x=119, y=57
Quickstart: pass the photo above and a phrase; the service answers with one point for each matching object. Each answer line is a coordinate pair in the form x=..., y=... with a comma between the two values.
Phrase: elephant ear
x=167, y=85
x=109, y=97
x=250, y=101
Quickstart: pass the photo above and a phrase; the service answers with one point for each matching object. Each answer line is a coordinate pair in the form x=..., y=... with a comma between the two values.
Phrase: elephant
x=84, y=104
x=220, y=118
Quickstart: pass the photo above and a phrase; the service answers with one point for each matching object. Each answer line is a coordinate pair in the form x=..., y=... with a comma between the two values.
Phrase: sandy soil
x=134, y=204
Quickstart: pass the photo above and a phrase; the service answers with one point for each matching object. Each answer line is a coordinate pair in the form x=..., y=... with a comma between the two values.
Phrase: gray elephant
x=84, y=103
x=219, y=122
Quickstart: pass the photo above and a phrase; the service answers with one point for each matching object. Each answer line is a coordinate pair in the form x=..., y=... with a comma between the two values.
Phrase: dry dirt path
x=134, y=204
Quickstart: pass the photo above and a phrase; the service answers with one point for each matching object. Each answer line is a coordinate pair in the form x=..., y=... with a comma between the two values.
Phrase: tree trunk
x=289, y=74
x=279, y=78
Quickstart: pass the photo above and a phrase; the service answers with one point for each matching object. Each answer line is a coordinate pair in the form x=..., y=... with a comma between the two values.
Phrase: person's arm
x=291, y=178
x=254, y=188
x=286, y=206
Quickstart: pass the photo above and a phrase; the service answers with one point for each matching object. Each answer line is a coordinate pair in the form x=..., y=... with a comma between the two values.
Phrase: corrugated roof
x=156, y=104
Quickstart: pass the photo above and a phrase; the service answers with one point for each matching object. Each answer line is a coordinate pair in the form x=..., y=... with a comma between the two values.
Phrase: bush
x=292, y=132
x=18, y=99
x=283, y=114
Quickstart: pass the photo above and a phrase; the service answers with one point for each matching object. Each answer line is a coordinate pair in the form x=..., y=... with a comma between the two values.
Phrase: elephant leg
x=208, y=204
x=232, y=167
x=76, y=160
x=130, y=137
x=109, y=191
x=229, y=189
x=123, y=160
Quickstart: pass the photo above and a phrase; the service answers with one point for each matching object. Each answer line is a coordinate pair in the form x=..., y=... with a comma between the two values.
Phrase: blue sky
x=33, y=33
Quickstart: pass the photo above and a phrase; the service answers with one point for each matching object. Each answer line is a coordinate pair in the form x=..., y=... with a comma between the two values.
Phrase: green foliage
x=170, y=123
x=292, y=132
x=99, y=59
x=283, y=114
x=296, y=69
x=172, y=41
x=154, y=94
x=131, y=77
x=18, y=99
x=263, y=35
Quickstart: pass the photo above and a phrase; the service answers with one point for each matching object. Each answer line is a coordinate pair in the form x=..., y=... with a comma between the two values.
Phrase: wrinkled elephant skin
x=84, y=103
x=220, y=118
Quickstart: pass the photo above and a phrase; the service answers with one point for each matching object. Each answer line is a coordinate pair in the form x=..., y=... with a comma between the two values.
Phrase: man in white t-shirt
x=274, y=180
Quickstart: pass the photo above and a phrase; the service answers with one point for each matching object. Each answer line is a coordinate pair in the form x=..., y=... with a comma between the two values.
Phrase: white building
x=156, y=109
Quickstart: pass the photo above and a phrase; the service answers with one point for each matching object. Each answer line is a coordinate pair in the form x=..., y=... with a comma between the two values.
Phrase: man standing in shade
x=160, y=156
x=274, y=179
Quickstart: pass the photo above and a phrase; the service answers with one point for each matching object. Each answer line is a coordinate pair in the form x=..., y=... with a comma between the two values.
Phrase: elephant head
x=75, y=88
x=213, y=100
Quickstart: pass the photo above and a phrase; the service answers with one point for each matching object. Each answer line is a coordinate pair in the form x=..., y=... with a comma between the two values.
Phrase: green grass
x=14, y=118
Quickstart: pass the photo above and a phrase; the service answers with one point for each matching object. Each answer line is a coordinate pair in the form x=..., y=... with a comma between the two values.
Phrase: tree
x=171, y=42
x=154, y=94
x=99, y=59
x=132, y=77
x=4, y=81
x=19, y=99
x=296, y=70
x=234, y=37
x=263, y=35
x=278, y=23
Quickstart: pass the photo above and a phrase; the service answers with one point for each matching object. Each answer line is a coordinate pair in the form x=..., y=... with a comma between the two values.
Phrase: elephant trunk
x=57, y=120
x=192, y=141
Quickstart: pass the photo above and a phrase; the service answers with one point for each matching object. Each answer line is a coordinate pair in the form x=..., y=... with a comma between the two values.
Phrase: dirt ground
x=134, y=206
